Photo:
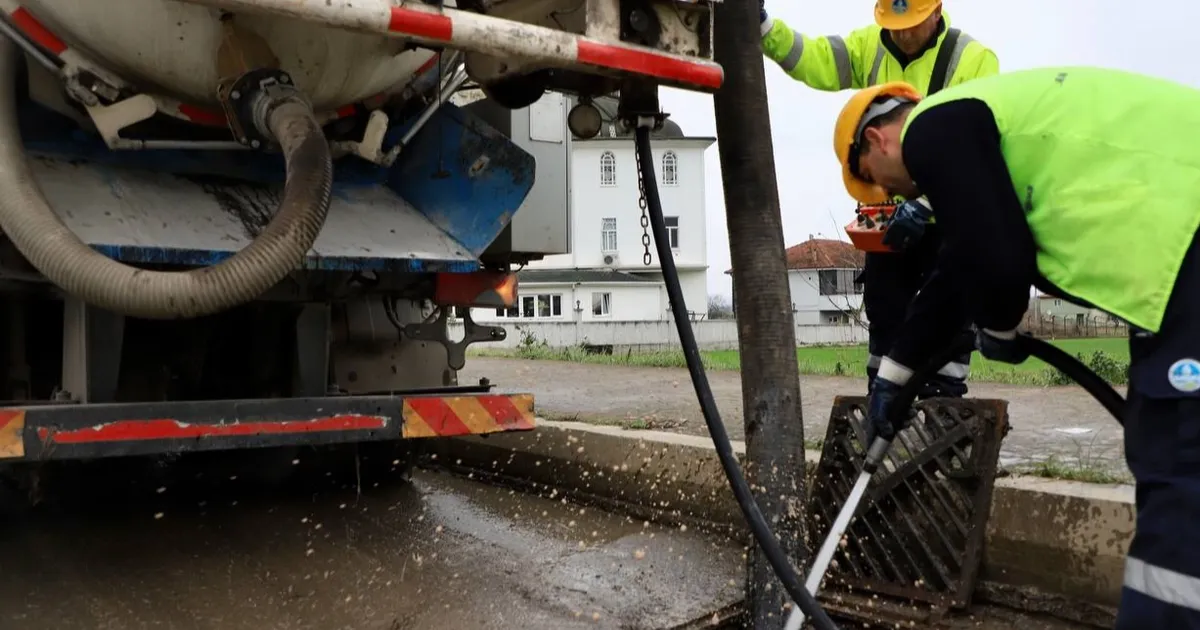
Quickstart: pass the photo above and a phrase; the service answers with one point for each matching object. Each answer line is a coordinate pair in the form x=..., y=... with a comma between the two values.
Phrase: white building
x=822, y=276
x=604, y=278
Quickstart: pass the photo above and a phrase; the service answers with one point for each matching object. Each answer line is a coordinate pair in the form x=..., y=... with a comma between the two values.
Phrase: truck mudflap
x=59, y=432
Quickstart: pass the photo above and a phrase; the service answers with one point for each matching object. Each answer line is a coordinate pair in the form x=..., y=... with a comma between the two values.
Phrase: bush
x=1106, y=367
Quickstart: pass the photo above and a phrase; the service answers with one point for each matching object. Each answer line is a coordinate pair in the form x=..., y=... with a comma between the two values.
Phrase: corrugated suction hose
x=68, y=262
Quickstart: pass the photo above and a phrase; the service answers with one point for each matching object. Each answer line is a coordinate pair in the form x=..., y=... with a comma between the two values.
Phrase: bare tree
x=719, y=307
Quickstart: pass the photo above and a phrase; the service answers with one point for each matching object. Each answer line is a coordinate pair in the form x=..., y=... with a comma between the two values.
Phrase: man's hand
x=908, y=224
x=880, y=406
x=1000, y=346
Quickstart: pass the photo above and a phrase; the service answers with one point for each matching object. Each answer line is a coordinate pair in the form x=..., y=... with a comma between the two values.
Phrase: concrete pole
x=766, y=337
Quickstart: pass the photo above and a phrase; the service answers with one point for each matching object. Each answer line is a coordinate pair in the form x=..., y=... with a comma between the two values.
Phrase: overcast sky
x=1023, y=33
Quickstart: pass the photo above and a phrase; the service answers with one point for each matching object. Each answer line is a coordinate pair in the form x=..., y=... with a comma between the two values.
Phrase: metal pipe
x=475, y=32
x=459, y=77
x=12, y=32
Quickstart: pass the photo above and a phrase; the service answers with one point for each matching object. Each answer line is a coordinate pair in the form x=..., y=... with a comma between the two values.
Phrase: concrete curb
x=1060, y=537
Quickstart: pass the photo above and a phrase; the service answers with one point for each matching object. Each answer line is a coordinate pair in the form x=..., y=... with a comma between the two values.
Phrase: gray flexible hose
x=50, y=246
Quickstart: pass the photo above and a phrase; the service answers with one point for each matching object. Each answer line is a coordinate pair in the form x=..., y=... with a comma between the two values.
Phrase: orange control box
x=866, y=230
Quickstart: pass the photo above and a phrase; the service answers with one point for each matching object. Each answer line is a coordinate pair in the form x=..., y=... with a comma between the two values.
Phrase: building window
x=672, y=224
x=608, y=169
x=512, y=311
x=601, y=304
x=541, y=306
x=838, y=282
x=670, y=169
x=608, y=234
x=834, y=318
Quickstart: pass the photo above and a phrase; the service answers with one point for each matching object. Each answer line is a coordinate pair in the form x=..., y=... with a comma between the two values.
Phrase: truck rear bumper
x=50, y=432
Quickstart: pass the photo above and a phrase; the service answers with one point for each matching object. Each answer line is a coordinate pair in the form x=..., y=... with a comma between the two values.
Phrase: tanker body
x=246, y=223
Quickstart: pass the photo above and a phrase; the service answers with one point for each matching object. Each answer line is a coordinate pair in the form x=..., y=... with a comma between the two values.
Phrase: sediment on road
x=1052, y=546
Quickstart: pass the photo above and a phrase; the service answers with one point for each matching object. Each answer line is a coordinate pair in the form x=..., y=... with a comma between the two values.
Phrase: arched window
x=670, y=169
x=608, y=169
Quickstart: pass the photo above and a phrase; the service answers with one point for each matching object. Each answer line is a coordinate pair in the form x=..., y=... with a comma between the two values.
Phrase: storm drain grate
x=919, y=532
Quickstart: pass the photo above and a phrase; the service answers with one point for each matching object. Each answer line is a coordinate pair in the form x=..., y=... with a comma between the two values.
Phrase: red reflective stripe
x=38, y=33
x=504, y=412
x=421, y=24
x=440, y=418
x=650, y=64
x=202, y=116
x=346, y=110
x=135, y=430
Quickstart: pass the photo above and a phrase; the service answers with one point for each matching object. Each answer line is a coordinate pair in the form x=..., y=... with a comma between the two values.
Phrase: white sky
x=1023, y=33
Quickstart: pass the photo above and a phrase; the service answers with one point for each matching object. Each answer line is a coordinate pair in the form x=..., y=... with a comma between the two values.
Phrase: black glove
x=880, y=411
x=998, y=348
x=907, y=225
x=762, y=11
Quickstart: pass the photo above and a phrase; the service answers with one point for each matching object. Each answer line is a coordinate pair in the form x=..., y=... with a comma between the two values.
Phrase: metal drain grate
x=919, y=532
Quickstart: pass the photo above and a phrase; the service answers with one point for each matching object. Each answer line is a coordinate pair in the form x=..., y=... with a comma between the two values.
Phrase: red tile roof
x=823, y=253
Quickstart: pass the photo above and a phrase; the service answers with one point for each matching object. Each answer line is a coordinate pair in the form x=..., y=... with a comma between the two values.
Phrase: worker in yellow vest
x=1085, y=183
x=911, y=41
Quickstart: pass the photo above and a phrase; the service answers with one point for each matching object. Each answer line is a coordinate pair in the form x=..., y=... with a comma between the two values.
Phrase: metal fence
x=1074, y=326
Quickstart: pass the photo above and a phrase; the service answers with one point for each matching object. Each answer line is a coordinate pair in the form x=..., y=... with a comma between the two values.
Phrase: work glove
x=908, y=224
x=881, y=421
x=1001, y=346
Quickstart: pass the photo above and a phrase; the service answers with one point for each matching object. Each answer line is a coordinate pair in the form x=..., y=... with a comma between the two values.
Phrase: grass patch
x=1055, y=468
x=1108, y=357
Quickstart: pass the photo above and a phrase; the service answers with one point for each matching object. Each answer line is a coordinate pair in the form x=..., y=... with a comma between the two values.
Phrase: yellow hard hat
x=897, y=15
x=850, y=123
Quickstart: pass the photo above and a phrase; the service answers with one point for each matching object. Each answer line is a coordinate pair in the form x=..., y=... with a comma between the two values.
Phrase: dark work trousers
x=890, y=282
x=1162, y=448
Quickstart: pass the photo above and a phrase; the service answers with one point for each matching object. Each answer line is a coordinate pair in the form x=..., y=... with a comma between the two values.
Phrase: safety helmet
x=897, y=15
x=847, y=133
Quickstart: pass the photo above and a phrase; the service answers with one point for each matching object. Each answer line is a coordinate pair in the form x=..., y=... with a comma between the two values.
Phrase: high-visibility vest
x=860, y=59
x=1107, y=166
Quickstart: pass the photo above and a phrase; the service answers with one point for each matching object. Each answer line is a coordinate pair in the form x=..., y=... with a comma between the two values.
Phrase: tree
x=719, y=307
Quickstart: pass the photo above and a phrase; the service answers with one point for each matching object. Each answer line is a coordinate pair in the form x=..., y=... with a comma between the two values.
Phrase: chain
x=642, y=204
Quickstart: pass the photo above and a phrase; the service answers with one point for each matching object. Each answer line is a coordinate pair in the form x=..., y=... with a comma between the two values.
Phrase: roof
x=572, y=276
x=823, y=253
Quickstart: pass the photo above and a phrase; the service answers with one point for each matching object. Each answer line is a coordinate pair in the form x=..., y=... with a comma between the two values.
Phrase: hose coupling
x=249, y=100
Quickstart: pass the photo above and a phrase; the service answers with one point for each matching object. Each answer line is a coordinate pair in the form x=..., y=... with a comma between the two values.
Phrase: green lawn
x=851, y=360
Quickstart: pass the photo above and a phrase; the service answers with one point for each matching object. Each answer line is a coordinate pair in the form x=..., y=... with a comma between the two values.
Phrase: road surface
x=201, y=545
x=1060, y=422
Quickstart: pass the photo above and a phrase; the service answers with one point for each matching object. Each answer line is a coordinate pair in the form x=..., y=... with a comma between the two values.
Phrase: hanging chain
x=646, y=259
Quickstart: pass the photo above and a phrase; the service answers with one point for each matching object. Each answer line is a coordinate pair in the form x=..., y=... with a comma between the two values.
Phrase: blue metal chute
x=450, y=193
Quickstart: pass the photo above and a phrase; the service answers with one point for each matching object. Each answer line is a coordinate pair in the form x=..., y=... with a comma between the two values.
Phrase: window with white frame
x=541, y=306
x=670, y=169
x=672, y=224
x=601, y=304
x=608, y=169
x=512, y=311
x=608, y=234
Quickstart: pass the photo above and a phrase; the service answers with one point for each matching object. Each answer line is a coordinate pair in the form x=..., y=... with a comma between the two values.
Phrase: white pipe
x=484, y=34
x=825, y=555
x=871, y=462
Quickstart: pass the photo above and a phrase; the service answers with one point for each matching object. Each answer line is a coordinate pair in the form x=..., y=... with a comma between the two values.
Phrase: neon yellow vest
x=1107, y=166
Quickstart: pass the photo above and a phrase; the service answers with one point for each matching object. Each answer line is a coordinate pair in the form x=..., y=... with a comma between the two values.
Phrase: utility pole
x=766, y=336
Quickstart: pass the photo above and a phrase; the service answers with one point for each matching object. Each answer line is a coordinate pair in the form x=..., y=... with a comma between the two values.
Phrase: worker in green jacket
x=911, y=41
x=1085, y=183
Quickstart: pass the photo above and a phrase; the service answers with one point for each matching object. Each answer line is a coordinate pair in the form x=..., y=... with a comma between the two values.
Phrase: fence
x=1074, y=326
x=710, y=335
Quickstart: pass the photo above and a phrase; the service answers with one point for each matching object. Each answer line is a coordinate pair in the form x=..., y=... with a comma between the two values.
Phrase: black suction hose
x=1052, y=355
x=708, y=406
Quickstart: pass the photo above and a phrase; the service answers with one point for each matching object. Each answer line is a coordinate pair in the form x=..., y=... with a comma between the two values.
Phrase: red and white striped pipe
x=489, y=35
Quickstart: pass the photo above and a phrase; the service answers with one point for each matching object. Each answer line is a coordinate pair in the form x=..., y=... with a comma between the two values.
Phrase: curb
x=1061, y=538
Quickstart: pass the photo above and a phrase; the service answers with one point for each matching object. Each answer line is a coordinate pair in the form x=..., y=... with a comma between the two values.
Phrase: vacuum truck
x=241, y=224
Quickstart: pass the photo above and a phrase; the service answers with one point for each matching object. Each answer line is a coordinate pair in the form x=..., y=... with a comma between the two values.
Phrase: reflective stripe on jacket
x=860, y=59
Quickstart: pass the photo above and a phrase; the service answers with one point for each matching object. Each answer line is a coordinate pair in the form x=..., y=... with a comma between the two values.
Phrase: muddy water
x=128, y=548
